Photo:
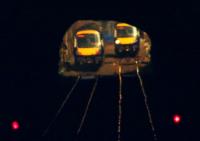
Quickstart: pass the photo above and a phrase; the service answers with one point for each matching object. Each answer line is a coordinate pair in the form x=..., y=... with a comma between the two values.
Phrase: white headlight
x=117, y=41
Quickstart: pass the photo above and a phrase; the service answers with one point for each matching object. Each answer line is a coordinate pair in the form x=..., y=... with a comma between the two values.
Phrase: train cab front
x=88, y=47
x=126, y=39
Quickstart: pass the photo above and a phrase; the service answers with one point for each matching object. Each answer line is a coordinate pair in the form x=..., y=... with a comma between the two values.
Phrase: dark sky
x=31, y=89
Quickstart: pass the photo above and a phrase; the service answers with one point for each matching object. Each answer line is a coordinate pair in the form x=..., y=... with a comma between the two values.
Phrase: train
x=127, y=39
x=88, y=47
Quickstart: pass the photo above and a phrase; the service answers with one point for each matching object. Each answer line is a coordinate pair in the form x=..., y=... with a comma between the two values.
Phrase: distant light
x=176, y=119
x=117, y=41
x=15, y=125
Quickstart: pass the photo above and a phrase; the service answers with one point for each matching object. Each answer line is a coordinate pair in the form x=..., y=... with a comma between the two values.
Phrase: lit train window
x=98, y=48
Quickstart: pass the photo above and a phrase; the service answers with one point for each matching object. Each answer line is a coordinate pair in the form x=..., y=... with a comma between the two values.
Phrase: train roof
x=87, y=31
x=123, y=24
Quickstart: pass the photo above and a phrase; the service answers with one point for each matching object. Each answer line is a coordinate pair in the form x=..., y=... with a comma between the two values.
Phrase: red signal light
x=176, y=119
x=15, y=125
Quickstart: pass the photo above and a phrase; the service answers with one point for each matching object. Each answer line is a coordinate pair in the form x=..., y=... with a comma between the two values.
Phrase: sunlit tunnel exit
x=91, y=48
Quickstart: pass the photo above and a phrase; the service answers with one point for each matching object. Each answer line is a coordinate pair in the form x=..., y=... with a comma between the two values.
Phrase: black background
x=31, y=89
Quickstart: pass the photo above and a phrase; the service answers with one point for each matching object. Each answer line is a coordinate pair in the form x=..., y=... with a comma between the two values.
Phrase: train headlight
x=117, y=41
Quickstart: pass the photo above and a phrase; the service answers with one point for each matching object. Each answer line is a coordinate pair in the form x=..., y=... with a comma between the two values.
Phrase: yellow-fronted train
x=127, y=39
x=88, y=47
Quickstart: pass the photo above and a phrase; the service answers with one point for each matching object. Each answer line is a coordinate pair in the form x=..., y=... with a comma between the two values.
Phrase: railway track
x=119, y=105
